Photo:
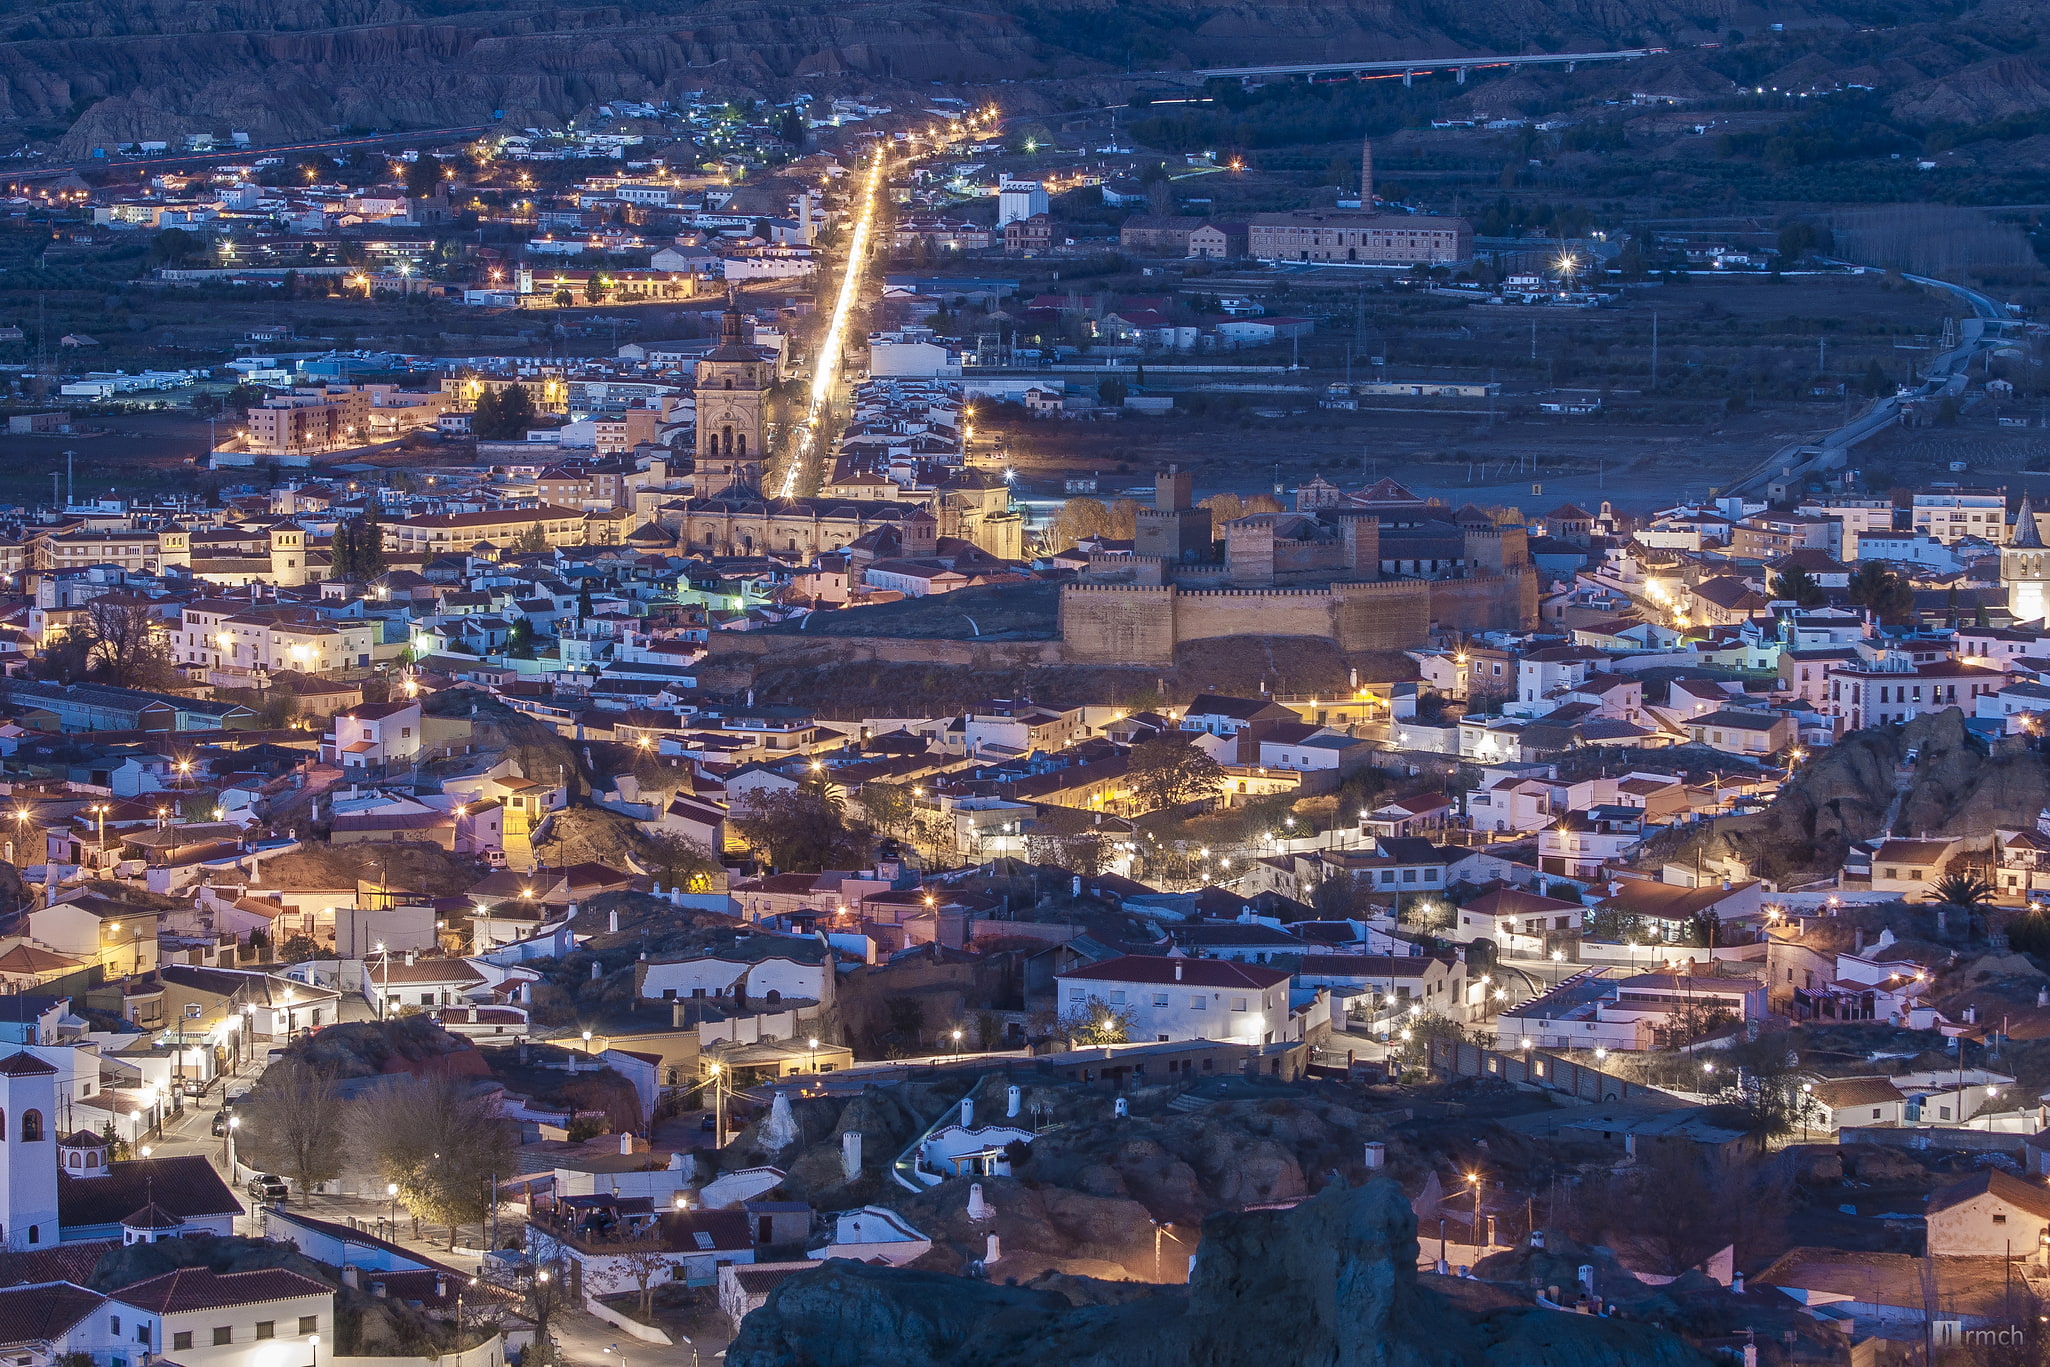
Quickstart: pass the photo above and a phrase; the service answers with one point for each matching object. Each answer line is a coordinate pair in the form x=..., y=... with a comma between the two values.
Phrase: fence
x=1975, y=1141
x=1536, y=1069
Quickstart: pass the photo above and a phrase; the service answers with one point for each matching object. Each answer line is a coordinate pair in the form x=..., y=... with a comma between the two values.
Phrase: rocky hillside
x=1845, y=792
x=97, y=72
x=1331, y=1282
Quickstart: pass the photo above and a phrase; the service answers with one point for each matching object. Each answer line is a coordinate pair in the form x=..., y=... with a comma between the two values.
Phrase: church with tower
x=733, y=402
x=68, y=1189
x=2025, y=568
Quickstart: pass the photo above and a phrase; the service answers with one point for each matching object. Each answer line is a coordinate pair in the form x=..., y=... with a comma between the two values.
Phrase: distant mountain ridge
x=98, y=72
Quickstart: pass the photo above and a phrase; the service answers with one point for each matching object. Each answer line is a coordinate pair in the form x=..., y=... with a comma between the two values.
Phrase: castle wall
x=1118, y=624
x=1492, y=602
x=1203, y=613
x=1392, y=615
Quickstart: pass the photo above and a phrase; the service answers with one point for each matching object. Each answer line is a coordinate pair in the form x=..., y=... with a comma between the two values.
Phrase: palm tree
x=819, y=784
x=1966, y=890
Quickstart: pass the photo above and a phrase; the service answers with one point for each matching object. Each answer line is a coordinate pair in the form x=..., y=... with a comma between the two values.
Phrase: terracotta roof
x=188, y=1187
x=1992, y=1182
x=41, y=1314
x=1856, y=1091
x=24, y=1064
x=202, y=1288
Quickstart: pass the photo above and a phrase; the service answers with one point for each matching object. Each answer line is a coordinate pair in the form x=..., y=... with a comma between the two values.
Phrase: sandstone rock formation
x=1329, y=1283
x=1843, y=794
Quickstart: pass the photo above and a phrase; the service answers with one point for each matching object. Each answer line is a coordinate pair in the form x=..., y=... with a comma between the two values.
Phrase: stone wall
x=1120, y=624
x=1203, y=613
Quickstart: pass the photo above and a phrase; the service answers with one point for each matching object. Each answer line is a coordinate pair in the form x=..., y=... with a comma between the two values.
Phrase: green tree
x=503, y=413
x=677, y=860
x=1876, y=587
x=1169, y=770
x=594, y=289
x=796, y=832
x=1796, y=585
x=1613, y=923
x=1096, y=1022
x=1966, y=890
x=1113, y=391
x=564, y=299
x=423, y=176
x=532, y=541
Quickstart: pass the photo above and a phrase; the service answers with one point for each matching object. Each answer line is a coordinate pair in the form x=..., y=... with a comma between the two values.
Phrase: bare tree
x=299, y=1111
x=129, y=641
x=440, y=1141
x=647, y=1263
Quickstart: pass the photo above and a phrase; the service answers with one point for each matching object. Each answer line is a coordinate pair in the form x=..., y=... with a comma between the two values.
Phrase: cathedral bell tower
x=732, y=397
x=2025, y=569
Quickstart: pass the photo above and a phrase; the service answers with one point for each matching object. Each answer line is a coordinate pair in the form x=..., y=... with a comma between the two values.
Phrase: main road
x=1945, y=376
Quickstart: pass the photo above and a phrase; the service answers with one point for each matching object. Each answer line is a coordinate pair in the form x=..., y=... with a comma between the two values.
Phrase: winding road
x=1945, y=375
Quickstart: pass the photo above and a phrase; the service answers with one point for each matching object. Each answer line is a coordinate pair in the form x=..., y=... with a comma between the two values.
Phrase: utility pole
x=1654, y=351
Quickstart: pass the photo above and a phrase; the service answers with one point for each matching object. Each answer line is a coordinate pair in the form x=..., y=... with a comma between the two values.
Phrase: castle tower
x=733, y=395
x=288, y=555
x=2025, y=569
x=28, y=1152
x=1367, y=174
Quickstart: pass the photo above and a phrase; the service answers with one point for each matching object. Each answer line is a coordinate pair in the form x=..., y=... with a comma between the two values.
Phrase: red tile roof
x=39, y=1314
x=202, y=1288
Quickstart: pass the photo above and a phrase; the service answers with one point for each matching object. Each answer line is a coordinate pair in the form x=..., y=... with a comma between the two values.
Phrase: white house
x=1175, y=998
x=874, y=1232
x=764, y=970
x=1987, y=1215
x=1841, y=1101
x=374, y=734
x=264, y=1317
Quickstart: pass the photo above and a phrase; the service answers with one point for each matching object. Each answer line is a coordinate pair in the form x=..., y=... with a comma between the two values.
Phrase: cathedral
x=730, y=515
x=733, y=400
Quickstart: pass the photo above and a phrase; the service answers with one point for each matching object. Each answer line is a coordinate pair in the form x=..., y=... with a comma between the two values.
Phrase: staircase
x=1903, y=780
x=1188, y=1103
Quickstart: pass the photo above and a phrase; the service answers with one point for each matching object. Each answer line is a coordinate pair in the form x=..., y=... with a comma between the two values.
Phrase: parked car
x=267, y=1187
x=220, y=1125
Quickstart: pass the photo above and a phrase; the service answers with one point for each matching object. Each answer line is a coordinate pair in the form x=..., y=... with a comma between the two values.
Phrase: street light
x=391, y=1189
x=957, y=1041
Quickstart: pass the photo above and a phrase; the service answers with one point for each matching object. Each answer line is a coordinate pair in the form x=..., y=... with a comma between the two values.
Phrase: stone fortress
x=1377, y=569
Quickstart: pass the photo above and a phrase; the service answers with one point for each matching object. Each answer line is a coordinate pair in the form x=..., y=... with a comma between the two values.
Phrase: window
x=142, y=1334
x=31, y=1127
x=2000, y=1219
x=1196, y=1003
x=309, y=1323
x=1160, y=999
x=1076, y=994
x=266, y=1329
x=181, y=1341
x=1117, y=996
x=223, y=1334
x=114, y=1324
x=1238, y=1003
